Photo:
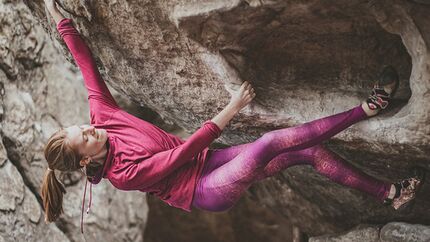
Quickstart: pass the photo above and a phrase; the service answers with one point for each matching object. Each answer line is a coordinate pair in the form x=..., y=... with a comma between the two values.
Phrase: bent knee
x=267, y=139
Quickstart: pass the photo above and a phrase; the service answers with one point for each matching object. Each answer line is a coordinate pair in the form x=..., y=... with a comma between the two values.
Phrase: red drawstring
x=91, y=194
x=83, y=204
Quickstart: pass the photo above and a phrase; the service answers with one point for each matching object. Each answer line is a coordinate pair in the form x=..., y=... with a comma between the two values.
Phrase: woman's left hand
x=243, y=96
x=239, y=100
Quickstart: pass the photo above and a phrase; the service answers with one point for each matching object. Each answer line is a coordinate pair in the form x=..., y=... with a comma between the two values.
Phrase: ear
x=85, y=161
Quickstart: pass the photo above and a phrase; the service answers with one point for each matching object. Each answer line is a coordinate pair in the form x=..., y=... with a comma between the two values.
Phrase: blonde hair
x=60, y=156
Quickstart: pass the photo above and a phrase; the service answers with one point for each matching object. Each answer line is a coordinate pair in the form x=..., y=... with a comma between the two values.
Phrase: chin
x=104, y=135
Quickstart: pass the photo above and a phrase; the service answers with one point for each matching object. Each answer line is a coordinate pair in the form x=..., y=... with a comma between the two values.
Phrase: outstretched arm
x=143, y=174
x=238, y=100
x=95, y=85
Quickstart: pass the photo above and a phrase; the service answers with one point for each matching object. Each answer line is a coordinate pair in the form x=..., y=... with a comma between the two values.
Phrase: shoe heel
x=407, y=207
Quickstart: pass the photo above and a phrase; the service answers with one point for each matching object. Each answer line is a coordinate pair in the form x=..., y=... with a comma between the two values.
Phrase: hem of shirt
x=198, y=176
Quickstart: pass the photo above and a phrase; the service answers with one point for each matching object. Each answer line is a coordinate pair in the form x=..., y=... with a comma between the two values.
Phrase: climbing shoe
x=384, y=89
x=406, y=191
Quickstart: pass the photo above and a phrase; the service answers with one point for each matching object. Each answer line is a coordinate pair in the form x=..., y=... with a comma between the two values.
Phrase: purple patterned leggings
x=229, y=172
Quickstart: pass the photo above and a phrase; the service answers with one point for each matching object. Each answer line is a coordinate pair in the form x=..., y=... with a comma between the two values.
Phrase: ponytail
x=52, y=195
x=62, y=157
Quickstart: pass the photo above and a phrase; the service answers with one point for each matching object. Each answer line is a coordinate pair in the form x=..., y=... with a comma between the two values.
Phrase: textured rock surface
x=39, y=94
x=392, y=232
x=405, y=232
x=248, y=221
x=306, y=59
x=361, y=233
x=21, y=217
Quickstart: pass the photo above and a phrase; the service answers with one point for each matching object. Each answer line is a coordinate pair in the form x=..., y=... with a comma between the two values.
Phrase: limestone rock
x=31, y=207
x=362, y=234
x=306, y=59
x=247, y=221
x=11, y=187
x=20, y=211
x=405, y=232
x=39, y=93
x=3, y=155
x=391, y=232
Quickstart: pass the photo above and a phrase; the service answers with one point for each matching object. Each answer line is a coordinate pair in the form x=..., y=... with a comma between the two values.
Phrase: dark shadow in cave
x=330, y=47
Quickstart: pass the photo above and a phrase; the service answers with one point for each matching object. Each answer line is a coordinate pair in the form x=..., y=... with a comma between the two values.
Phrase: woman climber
x=136, y=155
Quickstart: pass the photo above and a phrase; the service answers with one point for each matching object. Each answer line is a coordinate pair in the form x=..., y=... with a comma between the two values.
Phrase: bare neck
x=101, y=156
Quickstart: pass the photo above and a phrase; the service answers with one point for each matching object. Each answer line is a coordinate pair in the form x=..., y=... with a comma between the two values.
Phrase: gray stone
x=114, y=215
x=31, y=207
x=39, y=93
x=361, y=233
x=11, y=187
x=403, y=232
x=20, y=211
x=182, y=58
x=391, y=232
x=3, y=154
x=306, y=60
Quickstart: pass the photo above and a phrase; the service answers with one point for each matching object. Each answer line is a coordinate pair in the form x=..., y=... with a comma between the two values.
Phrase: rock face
x=405, y=232
x=388, y=233
x=361, y=233
x=306, y=59
x=39, y=94
x=248, y=221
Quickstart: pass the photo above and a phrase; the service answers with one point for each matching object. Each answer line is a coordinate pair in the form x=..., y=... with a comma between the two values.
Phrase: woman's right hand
x=243, y=96
x=51, y=4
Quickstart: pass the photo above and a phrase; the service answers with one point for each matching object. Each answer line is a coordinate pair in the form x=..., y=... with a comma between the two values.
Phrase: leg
x=312, y=133
x=219, y=189
x=332, y=166
x=219, y=157
x=294, y=138
x=246, y=166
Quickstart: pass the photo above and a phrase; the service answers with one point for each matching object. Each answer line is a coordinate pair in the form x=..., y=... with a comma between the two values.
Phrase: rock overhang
x=308, y=59
x=181, y=58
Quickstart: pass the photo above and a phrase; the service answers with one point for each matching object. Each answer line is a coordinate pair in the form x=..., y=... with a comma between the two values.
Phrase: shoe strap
x=398, y=187
x=379, y=99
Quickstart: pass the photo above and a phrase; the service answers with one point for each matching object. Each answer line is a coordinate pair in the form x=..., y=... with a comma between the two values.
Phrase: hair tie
x=49, y=169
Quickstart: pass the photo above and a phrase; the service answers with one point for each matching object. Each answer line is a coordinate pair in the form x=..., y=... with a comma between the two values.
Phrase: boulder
x=391, y=232
x=306, y=59
x=39, y=93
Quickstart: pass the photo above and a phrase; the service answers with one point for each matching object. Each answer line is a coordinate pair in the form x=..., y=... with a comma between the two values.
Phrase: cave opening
x=335, y=49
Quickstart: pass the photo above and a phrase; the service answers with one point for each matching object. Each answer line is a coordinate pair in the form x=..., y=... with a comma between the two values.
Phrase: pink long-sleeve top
x=140, y=156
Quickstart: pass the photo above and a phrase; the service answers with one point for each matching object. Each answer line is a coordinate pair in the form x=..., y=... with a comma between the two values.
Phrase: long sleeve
x=144, y=173
x=94, y=83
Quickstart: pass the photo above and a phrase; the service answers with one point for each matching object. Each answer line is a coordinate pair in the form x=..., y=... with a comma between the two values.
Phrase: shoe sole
x=420, y=175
